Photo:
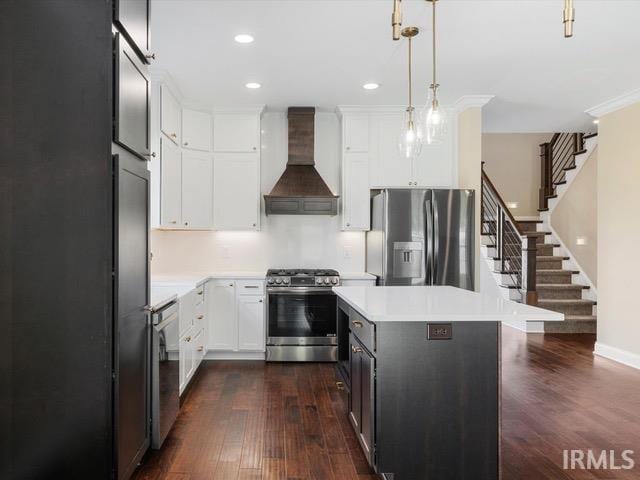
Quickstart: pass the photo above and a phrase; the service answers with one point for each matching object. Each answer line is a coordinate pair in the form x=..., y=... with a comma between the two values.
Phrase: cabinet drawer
x=250, y=287
x=200, y=295
x=363, y=330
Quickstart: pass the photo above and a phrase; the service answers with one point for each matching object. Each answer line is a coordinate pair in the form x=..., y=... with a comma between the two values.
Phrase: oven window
x=302, y=315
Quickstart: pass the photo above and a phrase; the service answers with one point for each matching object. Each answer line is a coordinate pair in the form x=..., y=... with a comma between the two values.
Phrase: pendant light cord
x=410, y=109
x=433, y=2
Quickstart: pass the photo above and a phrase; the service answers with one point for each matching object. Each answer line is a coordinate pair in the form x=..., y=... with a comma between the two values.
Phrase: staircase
x=514, y=249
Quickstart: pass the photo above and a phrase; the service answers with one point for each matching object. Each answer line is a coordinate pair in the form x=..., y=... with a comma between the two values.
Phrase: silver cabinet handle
x=150, y=56
x=355, y=349
x=200, y=349
x=152, y=154
x=357, y=324
x=251, y=286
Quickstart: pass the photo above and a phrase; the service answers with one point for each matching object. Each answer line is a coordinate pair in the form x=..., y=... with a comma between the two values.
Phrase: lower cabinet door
x=185, y=360
x=355, y=395
x=197, y=350
x=222, y=323
x=367, y=421
x=251, y=323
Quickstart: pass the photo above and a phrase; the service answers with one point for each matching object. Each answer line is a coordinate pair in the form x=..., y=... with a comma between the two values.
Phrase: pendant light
x=410, y=140
x=568, y=17
x=434, y=119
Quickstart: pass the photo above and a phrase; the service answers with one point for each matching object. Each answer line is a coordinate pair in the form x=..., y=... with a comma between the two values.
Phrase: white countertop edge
x=543, y=315
x=356, y=276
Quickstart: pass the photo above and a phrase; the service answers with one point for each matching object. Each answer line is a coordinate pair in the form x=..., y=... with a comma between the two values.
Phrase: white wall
x=290, y=241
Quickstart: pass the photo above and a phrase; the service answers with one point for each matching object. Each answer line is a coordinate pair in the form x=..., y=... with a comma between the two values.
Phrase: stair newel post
x=546, y=173
x=529, y=254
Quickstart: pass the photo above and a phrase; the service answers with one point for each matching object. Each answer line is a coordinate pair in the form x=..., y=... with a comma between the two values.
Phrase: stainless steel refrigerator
x=422, y=237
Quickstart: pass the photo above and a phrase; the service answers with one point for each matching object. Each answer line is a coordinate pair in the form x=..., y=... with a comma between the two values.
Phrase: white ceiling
x=320, y=52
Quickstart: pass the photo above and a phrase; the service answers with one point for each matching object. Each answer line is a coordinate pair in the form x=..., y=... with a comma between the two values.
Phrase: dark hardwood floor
x=251, y=420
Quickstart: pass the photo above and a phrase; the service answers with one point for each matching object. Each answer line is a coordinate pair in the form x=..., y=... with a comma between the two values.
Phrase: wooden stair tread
x=551, y=257
x=543, y=209
x=579, y=152
x=562, y=301
x=563, y=182
x=530, y=221
x=590, y=135
x=561, y=286
x=559, y=272
x=580, y=318
x=572, y=167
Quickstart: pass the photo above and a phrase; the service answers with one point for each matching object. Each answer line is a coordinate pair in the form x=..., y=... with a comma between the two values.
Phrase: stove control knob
x=285, y=281
x=318, y=281
x=278, y=281
x=334, y=280
x=270, y=281
x=326, y=281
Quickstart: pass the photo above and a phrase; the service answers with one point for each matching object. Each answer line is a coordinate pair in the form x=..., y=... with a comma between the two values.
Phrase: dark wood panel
x=55, y=238
x=555, y=395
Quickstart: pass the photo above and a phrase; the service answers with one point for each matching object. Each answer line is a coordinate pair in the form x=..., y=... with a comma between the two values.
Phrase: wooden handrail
x=554, y=161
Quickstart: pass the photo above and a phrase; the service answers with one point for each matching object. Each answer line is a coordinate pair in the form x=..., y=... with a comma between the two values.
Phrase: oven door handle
x=298, y=290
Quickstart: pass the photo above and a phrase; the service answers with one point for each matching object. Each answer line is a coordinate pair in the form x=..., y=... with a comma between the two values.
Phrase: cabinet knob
x=186, y=143
x=357, y=324
x=150, y=56
x=340, y=385
x=200, y=317
x=152, y=154
x=188, y=339
x=255, y=148
x=348, y=224
x=231, y=284
x=260, y=301
x=186, y=223
x=173, y=135
x=200, y=349
x=355, y=349
x=173, y=221
x=348, y=148
x=254, y=224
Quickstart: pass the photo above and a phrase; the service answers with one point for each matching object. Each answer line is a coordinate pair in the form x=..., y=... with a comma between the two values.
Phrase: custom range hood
x=301, y=190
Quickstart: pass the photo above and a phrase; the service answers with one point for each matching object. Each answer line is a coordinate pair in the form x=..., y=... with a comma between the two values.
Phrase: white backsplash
x=288, y=241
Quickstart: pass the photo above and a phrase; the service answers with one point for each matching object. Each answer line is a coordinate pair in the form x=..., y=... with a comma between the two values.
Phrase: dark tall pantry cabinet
x=74, y=271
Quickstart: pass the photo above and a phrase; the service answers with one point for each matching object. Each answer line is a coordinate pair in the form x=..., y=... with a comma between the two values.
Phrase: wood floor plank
x=250, y=420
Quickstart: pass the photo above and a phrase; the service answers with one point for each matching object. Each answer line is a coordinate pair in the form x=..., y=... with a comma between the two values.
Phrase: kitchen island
x=422, y=369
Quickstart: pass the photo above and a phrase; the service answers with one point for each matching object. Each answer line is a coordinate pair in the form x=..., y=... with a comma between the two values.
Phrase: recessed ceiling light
x=596, y=121
x=253, y=85
x=243, y=38
x=371, y=86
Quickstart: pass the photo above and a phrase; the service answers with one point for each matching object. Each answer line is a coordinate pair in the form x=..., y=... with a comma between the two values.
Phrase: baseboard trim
x=617, y=354
x=215, y=355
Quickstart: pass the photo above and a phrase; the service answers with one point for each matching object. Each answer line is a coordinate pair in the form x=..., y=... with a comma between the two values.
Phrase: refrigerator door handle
x=428, y=254
x=436, y=246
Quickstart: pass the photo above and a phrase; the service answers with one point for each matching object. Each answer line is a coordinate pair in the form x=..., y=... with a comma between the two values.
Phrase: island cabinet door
x=367, y=404
x=355, y=395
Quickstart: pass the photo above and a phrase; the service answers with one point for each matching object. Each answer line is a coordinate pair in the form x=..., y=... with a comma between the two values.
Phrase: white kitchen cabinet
x=435, y=167
x=251, y=335
x=185, y=360
x=222, y=317
x=187, y=312
x=387, y=167
x=236, y=191
x=356, y=133
x=196, y=130
x=236, y=132
x=170, y=184
x=197, y=190
x=169, y=114
x=355, y=192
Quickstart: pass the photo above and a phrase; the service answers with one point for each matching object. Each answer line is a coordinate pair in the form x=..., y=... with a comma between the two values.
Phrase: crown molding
x=257, y=109
x=614, y=104
x=471, y=101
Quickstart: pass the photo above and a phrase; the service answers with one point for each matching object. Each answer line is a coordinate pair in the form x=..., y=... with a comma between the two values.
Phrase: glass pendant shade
x=411, y=138
x=434, y=121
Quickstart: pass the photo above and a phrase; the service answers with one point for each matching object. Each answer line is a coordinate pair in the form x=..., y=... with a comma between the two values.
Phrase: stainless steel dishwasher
x=165, y=372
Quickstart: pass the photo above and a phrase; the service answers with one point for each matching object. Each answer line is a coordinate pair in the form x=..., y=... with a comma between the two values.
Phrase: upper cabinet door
x=387, y=168
x=196, y=130
x=435, y=165
x=132, y=18
x=169, y=115
x=356, y=133
x=236, y=132
x=170, y=184
x=197, y=190
x=355, y=192
x=236, y=191
x=131, y=95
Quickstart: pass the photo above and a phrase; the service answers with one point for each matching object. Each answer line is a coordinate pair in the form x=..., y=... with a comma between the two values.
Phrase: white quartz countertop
x=436, y=304
x=163, y=294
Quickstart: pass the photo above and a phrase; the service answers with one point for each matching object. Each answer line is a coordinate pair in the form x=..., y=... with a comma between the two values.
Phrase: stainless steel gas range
x=301, y=315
